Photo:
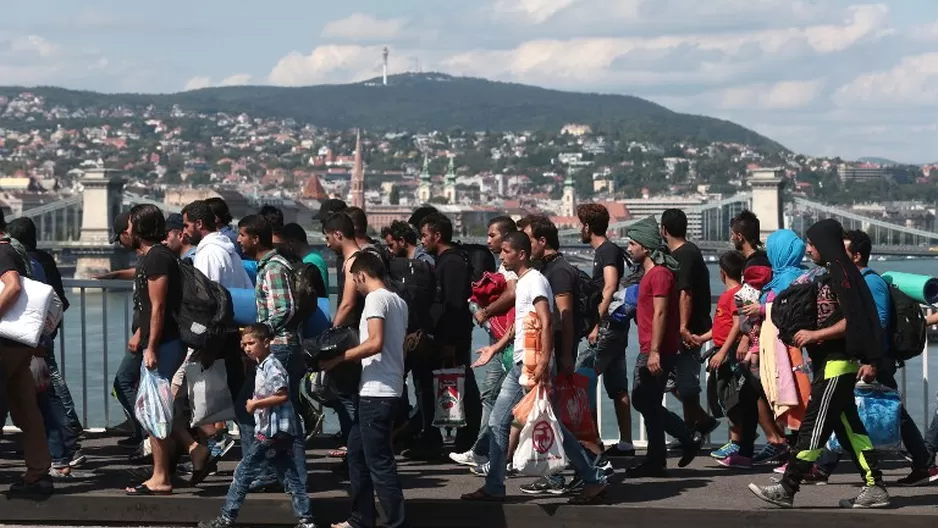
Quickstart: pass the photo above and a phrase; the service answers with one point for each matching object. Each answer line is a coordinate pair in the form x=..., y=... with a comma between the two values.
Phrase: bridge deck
x=703, y=494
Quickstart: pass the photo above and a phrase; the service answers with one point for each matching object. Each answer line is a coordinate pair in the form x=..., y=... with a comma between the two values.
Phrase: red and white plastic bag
x=449, y=386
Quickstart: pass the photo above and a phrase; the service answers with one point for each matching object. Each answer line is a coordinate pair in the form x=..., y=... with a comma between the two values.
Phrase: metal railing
x=96, y=328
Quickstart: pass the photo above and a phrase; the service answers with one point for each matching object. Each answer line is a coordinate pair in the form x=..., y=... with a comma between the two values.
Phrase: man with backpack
x=275, y=308
x=402, y=242
x=859, y=246
x=452, y=332
x=608, y=339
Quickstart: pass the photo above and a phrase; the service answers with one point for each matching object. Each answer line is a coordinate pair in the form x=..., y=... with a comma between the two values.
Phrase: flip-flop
x=142, y=490
x=480, y=495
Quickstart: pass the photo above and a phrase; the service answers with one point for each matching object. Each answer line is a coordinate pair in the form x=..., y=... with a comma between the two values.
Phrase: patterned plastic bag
x=540, y=447
x=449, y=385
x=154, y=405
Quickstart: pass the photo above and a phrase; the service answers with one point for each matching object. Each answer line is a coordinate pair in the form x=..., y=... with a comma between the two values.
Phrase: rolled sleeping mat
x=244, y=304
x=922, y=288
x=250, y=266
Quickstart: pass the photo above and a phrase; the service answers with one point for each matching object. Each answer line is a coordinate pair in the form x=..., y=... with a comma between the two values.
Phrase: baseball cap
x=328, y=207
x=120, y=226
x=174, y=221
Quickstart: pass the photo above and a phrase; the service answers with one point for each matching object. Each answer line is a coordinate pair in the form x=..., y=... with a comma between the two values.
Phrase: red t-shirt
x=725, y=316
x=658, y=282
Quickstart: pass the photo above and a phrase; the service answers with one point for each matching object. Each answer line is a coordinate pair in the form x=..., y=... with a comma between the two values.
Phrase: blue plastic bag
x=880, y=409
x=154, y=405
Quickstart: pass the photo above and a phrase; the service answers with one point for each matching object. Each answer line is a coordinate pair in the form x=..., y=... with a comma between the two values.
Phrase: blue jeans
x=372, y=469
x=491, y=386
x=647, y=394
x=292, y=359
x=61, y=435
x=345, y=407
x=61, y=390
x=125, y=387
x=278, y=454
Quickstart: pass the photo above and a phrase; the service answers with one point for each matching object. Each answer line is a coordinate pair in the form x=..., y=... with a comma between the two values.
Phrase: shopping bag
x=40, y=372
x=540, y=447
x=523, y=409
x=209, y=395
x=449, y=387
x=154, y=405
x=571, y=401
x=880, y=410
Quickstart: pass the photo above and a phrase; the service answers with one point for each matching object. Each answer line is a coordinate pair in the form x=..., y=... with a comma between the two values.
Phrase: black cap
x=328, y=207
x=120, y=226
x=174, y=221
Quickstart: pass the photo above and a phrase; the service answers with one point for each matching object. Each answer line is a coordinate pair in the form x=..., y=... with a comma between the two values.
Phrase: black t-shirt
x=694, y=277
x=10, y=260
x=561, y=276
x=608, y=254
x=158, y=262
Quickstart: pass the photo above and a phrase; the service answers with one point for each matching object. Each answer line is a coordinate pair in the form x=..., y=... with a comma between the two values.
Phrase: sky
x=823, y=77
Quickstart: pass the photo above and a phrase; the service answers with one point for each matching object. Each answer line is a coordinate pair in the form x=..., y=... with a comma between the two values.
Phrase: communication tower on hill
x=385, y=74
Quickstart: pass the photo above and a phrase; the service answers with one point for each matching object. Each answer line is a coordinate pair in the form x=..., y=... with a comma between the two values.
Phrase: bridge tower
x=101, y=202
x=767, y=199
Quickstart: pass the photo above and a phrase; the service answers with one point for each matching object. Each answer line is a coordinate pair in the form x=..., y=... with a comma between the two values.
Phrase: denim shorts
x=607, y=357
x=686, y=375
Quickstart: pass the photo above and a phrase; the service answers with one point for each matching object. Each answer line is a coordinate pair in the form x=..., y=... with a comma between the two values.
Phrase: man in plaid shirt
x=275, y=309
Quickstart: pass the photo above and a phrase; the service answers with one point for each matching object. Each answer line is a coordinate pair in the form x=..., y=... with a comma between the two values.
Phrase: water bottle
x=474, y=308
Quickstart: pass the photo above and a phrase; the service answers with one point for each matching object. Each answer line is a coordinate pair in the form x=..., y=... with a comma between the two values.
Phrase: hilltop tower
x=568, y=201
x=424, y=187
x=358, y=175
x=449, y=182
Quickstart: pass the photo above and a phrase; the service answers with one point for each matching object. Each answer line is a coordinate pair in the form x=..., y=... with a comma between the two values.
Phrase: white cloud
x=334, y=64
x=363, y=27
x=534, y=11
x=197, y=83
x=914, y=81
x=779, y=96
x=29, y=46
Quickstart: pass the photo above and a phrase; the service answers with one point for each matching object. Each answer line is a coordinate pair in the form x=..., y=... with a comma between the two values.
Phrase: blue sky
x=824, y=77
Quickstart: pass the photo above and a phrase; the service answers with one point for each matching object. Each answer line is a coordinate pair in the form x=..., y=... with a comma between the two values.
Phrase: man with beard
x=846, y=347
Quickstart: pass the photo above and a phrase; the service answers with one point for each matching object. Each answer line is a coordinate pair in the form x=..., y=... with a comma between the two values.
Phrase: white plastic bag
x=40, y=371
x=540, y=447
x=449, y=387
x=209, y=396
x=154, y=405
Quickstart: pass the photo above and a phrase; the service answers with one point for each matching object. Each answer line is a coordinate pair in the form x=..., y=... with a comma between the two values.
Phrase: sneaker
x=603, y=464
x=218, y=522
x=919, y=477
x=469, y=458
x=674, y=445
x=771, y=453
x=617, y=451
x=646, y=470
x=60, y=474
x=221, y=447
x=78, y=459
x=870, y=497
x=781, y=469
x=553, y=485
x=736, y=461
x=482, y=470
x=42, y=487
x=775, y=494
x=234, y=431
x=690, y=453
x=730, y=448
x=574, y=486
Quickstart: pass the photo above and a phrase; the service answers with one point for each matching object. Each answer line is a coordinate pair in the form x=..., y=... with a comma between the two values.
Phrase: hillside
x=434, y=102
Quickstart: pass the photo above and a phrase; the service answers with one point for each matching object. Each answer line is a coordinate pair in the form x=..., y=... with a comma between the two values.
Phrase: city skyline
x=824, y=78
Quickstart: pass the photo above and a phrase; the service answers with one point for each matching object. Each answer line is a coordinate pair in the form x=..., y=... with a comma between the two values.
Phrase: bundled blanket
x=484, y=292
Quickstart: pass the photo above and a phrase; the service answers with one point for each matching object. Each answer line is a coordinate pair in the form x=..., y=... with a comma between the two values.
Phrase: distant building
x=865, y=172
x=575, y=129
x=655, y=205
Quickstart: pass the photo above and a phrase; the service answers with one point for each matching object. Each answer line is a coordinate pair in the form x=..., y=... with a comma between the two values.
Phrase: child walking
x=275, y=427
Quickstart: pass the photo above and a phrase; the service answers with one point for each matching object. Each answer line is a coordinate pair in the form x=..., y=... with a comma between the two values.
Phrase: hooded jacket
x=217, y=257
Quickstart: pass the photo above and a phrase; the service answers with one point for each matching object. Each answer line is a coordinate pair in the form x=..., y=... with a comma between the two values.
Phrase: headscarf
x=647, y=234
x=864, y=336
x=785, y=252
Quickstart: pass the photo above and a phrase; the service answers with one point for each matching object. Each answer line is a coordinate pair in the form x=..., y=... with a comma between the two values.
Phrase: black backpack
x=204, y=312
x=907, y=328
x=589, y=297
x=415, y=282
x=480, y=260
x=308, y=287
x=795, y=309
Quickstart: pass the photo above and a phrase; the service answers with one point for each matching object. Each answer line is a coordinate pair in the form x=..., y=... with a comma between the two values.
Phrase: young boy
x=725, y=335
x=275, y=427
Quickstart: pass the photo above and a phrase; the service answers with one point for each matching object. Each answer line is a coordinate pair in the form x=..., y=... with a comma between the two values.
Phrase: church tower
x=568, y=201
x=358, y=175
x=424, y=186
x=449, y=182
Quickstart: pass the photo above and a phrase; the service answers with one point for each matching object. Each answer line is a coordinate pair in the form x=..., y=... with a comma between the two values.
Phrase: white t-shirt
x=531, y=286
x=383, y=373
x=509, y=275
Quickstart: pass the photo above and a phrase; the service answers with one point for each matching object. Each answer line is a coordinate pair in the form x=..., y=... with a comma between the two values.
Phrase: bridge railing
x=96, y=329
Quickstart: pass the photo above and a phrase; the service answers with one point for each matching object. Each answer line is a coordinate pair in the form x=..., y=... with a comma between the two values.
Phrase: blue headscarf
x=785, y=251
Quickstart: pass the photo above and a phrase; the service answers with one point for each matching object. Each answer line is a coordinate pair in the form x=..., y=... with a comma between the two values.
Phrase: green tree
x=395, y=196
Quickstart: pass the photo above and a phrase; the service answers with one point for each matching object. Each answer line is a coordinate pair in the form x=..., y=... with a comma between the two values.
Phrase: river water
x=105, y=339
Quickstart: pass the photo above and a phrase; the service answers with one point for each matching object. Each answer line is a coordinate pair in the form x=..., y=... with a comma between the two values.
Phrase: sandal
x=142, y=490
x=208, y=465
x=586, y=498
x=341, y=452
x=481, y=495
x=343, y=524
